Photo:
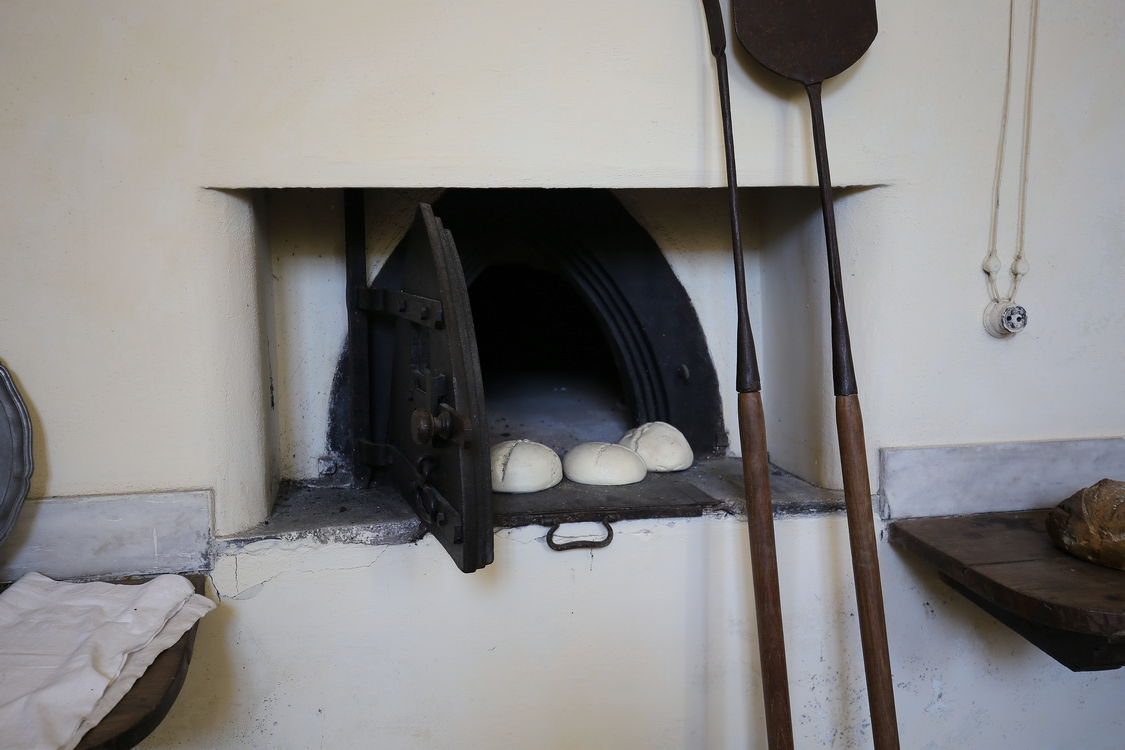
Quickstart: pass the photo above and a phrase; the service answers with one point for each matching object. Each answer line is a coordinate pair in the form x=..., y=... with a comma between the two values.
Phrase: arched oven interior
x=543, y=314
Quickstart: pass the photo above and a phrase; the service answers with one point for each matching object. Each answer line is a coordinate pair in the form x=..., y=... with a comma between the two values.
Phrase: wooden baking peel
x=809, y=41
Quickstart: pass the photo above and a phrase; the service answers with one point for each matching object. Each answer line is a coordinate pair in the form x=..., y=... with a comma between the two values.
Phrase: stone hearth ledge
x=993, y=478
x=110, y=536
x=324, y=514
x=170, y=532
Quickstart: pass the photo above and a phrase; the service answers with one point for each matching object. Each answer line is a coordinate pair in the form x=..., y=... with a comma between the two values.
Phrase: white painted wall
x=128, y=302
x=648, y=643
x=135, y=315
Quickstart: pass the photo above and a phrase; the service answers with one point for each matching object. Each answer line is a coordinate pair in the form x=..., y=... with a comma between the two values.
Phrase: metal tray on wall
x=15, y=453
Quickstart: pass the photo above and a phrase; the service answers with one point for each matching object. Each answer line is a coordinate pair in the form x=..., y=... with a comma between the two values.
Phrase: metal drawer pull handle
x=581, y=543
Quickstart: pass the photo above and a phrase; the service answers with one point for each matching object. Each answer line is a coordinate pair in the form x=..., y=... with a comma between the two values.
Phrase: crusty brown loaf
x=1090, y=524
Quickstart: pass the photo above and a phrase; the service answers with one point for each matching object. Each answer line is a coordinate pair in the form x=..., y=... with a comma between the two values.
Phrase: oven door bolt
x=449, y=424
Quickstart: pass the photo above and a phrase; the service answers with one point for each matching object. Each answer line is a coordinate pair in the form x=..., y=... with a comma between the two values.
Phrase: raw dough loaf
x=662, y=446
x=1090, y=524
x=524, y=466
x=603, y=463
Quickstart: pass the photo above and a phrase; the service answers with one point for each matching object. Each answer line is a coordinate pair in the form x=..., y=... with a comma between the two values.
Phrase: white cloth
x=70, y=651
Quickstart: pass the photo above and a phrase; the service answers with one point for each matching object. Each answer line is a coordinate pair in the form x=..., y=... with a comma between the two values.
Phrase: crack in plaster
x=251, y=591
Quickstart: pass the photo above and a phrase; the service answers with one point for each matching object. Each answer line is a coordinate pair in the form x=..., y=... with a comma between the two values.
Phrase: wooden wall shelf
x=1005, y=563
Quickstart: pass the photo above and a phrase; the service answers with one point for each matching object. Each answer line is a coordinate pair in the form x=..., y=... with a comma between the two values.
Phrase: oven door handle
x=581, y=543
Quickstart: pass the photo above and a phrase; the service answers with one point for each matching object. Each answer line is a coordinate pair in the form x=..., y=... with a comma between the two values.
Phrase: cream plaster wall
x=648, y=643
x=139, y=315
x=128, y=308
x=134, y=280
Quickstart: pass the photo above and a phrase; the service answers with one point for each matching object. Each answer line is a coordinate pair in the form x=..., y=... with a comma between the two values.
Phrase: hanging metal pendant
x=427, y=374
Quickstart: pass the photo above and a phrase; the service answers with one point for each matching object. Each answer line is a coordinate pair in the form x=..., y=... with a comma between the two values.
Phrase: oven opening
x=581, y=328
x=549, y=373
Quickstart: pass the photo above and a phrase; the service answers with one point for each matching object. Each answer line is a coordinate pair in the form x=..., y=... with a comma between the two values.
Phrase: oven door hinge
x=420, y=310
x=376, y=455
x=430, y=505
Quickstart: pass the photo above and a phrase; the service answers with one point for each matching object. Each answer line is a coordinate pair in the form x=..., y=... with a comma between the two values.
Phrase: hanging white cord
x=992, y=264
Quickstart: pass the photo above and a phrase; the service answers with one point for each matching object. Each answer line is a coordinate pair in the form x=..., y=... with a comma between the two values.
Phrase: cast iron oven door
x=428, y=403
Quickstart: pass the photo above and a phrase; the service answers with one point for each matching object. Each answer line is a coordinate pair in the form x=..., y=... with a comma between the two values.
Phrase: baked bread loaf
x=1090, y=524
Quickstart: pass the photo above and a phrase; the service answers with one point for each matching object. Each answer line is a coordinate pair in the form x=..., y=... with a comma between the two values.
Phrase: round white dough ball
x=603, y=463
x=524, y=466
x=662, y=446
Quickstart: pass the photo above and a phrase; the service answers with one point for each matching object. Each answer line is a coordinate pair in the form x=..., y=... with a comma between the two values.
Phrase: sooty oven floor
x=558, y=409
x=379, y=515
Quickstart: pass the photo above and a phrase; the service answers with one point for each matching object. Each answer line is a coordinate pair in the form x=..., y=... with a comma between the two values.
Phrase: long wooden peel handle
x=865, y=569
x=763, y=559
x=853, y=457
x=843, y=371
x=752, y=431
x=746, y=377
